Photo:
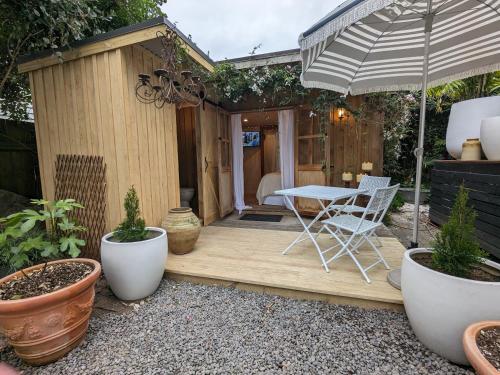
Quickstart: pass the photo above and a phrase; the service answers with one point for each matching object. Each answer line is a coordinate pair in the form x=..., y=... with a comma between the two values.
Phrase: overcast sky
x=232, y=28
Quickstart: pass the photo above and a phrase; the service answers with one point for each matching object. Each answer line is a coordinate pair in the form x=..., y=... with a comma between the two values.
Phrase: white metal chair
x=369, y=183
x=352, y=231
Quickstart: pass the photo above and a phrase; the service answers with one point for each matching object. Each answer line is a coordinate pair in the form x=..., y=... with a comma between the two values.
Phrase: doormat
x=259, y=217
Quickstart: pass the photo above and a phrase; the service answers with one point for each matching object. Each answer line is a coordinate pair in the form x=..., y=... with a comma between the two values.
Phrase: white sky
x=232, y=28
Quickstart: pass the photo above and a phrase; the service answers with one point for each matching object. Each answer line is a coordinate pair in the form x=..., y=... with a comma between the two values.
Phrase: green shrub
x=32, y=235
x=133, y=228
x=397, y=203
x=456, y=250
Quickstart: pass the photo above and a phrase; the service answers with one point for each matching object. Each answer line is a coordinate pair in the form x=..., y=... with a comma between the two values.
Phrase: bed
x=267, y=186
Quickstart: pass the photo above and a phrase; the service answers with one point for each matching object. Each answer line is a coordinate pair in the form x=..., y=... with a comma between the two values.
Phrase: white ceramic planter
x=490, y=137
x=134, y=269
x=440, y=307
x=465, y=121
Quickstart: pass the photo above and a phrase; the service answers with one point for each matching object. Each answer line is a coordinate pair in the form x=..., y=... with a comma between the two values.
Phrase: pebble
x=186, y=328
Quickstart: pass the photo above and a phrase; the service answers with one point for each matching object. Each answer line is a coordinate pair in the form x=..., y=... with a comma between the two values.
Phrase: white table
x=329, y=194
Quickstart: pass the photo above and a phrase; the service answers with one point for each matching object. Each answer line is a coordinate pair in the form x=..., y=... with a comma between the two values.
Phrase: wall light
x=341, y=113
x=245, y=120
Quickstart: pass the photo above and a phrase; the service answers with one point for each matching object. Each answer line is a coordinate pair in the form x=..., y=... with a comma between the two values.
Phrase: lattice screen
x=83, y=178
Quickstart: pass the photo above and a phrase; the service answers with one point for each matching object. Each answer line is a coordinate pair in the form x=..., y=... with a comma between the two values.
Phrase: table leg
x=307, y=231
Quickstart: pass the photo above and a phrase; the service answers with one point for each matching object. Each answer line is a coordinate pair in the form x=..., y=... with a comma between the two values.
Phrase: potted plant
x=482, y=347
x=45, y=308
x=134, y=256
x=450, y=286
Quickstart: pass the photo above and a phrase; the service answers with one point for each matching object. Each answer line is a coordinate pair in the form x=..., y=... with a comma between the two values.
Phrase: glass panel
x=318, y=153
x=305, y=151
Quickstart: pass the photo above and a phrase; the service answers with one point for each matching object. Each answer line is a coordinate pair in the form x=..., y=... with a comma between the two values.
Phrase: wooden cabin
x=85, y=104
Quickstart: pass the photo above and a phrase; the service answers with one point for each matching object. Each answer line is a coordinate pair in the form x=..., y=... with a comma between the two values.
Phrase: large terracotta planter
x=44, y=328
x=183, y=228
x=134, y=269
x=440, y=307
x=474, y=355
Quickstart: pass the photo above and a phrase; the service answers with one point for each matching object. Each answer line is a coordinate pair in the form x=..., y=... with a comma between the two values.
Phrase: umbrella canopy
x=378, y=45
x=365, y=46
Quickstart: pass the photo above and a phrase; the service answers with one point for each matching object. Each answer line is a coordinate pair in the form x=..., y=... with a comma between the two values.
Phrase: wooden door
x=207, y=161
x=312, y=155
x=225, y=175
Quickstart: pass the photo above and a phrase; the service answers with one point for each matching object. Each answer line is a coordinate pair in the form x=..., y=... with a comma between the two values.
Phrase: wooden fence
x=18, y=159
x=482, y=178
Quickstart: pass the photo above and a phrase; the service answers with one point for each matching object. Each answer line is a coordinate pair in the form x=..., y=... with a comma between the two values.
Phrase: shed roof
x=272, y=58
x=143, y=33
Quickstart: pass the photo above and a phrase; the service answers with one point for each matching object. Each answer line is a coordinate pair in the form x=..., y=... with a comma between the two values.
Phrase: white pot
x=490, y=137
x=134, y=269
x=465, y=121
x=440, y=307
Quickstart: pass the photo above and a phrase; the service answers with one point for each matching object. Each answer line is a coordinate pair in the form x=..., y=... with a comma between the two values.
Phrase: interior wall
x=257, y=161
x=88, y=106
x=186, y=143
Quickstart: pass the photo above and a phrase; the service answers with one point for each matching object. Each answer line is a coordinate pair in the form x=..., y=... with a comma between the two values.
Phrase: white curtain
x=287, y=164
x=238, y=183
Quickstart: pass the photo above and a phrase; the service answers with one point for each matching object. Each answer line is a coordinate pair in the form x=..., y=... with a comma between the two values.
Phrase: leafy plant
x=456, y=250
x=23, y=238
x=133, y=228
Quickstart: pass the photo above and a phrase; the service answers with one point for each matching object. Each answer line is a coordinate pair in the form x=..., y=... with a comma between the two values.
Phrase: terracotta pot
x=44, y=328
x=474, y=355
x=183, y=229
x=471, y=149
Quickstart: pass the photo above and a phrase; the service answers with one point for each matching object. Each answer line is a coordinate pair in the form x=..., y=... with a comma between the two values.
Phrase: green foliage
x=127, y=12
x=397, y=203
x=133, y=228
x=24, y=239
x=38, y=25
x=456, y=250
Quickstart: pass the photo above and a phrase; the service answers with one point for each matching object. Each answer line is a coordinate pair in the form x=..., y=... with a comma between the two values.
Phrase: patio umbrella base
x=394, y=278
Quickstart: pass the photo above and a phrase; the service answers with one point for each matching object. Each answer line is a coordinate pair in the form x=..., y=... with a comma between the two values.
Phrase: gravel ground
x=186, y=329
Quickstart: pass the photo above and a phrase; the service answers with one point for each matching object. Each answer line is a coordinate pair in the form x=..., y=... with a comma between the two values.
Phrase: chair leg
x=378, y=252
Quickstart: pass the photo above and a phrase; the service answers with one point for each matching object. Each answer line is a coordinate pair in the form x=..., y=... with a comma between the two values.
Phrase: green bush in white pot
x=451, y=286
x=134, y=256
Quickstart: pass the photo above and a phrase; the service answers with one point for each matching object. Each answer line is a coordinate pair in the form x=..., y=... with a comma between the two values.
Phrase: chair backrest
x=371, y=183
x=380, y=202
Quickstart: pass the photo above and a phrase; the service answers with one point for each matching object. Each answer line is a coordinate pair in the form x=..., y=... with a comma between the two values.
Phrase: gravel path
x=186, y=329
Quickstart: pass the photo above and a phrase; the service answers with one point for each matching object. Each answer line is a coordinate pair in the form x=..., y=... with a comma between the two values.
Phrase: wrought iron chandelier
x=174, y=87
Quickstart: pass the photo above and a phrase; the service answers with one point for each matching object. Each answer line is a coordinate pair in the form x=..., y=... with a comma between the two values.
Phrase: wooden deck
x=251, y=259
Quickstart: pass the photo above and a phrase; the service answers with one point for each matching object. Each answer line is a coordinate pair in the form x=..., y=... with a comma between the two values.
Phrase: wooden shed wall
x=88, y=106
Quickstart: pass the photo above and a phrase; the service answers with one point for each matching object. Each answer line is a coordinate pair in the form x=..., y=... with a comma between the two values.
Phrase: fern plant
x=133, y=228
x=456, y=250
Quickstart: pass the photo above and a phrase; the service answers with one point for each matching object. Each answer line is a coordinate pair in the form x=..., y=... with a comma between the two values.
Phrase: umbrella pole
x=419, y=151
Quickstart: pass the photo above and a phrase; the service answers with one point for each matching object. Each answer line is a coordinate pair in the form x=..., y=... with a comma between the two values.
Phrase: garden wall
x=482, y=179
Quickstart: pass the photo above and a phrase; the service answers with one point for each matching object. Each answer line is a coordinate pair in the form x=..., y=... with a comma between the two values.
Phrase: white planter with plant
x=134, y=256
x=447, y=288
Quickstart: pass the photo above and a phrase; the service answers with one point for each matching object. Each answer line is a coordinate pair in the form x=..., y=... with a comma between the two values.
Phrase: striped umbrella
x=365, y=46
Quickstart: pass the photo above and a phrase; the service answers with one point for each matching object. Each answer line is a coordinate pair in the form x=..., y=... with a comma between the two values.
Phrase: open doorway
x=261, y=160
x=186, y=145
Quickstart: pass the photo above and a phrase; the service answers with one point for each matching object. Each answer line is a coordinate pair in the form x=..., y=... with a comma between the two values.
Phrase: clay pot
x=183, y=229
x=471, y=149
x=474, y=355
x=44, y=328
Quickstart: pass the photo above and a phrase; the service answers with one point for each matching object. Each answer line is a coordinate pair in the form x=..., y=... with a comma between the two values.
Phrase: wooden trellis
x=83, y=178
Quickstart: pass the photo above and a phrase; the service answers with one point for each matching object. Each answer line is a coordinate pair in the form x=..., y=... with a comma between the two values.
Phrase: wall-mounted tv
x=251, y=139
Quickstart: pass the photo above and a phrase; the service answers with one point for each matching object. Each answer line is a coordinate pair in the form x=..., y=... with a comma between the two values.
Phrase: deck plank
x=253, y=256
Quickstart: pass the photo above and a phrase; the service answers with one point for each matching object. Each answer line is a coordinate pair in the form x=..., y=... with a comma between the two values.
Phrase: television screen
x=251, y=139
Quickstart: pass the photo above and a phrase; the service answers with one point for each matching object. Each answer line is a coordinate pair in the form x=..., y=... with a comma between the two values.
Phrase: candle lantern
x=367, y=167
x=347, y=178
